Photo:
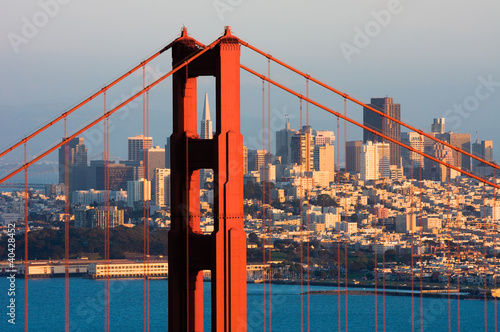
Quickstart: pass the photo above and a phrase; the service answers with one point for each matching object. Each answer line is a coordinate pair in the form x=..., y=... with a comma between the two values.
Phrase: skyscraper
x=159, y=186
x=77, y=164
x=484, y=150
x=155, y=159
x=206, y=123
x=374, y=161
x=136, y=145
x=416, y=141
x=461, y=141
x=138, y=191
x=283, y=141
x=383, y=125
x=302, y=149
x=323, y=137
x=324, y=160
x=353, y=150
x=438, y=126
x=206, y=132
x=256, y=158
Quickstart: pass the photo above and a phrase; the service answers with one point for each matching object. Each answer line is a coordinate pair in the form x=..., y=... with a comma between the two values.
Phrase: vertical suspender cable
x=66, y=251
x=495, y=245
x=268, y=178
x=412, y=275
x=457, y=225
x=106, y=220
x=26, y=231
x=264, y=277
x=420, y=251
x=345, y=216
x=66, y=230
x=383, y=225
x=147, y=223
x=375, y=250
x=308, y=170
x=448, y=225
x=337, y=185
x=485, y=261
x=301, y=186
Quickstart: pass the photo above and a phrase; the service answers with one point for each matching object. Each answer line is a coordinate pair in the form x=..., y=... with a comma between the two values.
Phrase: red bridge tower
x=224, y=251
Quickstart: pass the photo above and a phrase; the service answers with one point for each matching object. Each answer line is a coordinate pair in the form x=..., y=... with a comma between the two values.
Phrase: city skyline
x=447, y=77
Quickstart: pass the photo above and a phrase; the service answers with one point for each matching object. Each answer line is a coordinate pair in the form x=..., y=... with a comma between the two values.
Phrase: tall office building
x=374, y=161
x=283, y=141
x=155, y=159
x=138, y=191
x=136, y=145
x=324, y=160
x=437, y=126
x=159, y=186
x=323, y=137
x=118, y=175
x=77, y=164
x=302, y=149
x=483, y=150
x=415, y=141
x=245, y=160
x=206, y=123
x=206, y=132
x=256, y=158
x=383, y=125
x=167, y=153
x=461, y=141
x=353, y=151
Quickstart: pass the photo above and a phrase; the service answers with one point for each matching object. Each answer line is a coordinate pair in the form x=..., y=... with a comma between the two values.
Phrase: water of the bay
x=46, y=308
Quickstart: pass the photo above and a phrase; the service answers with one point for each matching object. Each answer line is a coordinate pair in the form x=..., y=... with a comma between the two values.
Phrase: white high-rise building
x=136, y=145
x=159, y=186
x=374, y=161
x=138, y=191
x=206, y=123
x=324, y=137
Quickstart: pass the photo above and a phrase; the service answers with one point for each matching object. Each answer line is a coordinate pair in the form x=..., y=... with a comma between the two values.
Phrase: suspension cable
x=66, y=231
x=342, y=94
x=371, y=130
x=82, y=103
x=109, y=113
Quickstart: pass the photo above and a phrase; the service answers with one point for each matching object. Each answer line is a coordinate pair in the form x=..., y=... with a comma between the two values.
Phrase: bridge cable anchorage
x=345, y=95
x=101, y=118
x=85, y=101
x=376, y=132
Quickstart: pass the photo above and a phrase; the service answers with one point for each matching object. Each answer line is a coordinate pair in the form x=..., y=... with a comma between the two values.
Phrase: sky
x=435, y=58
